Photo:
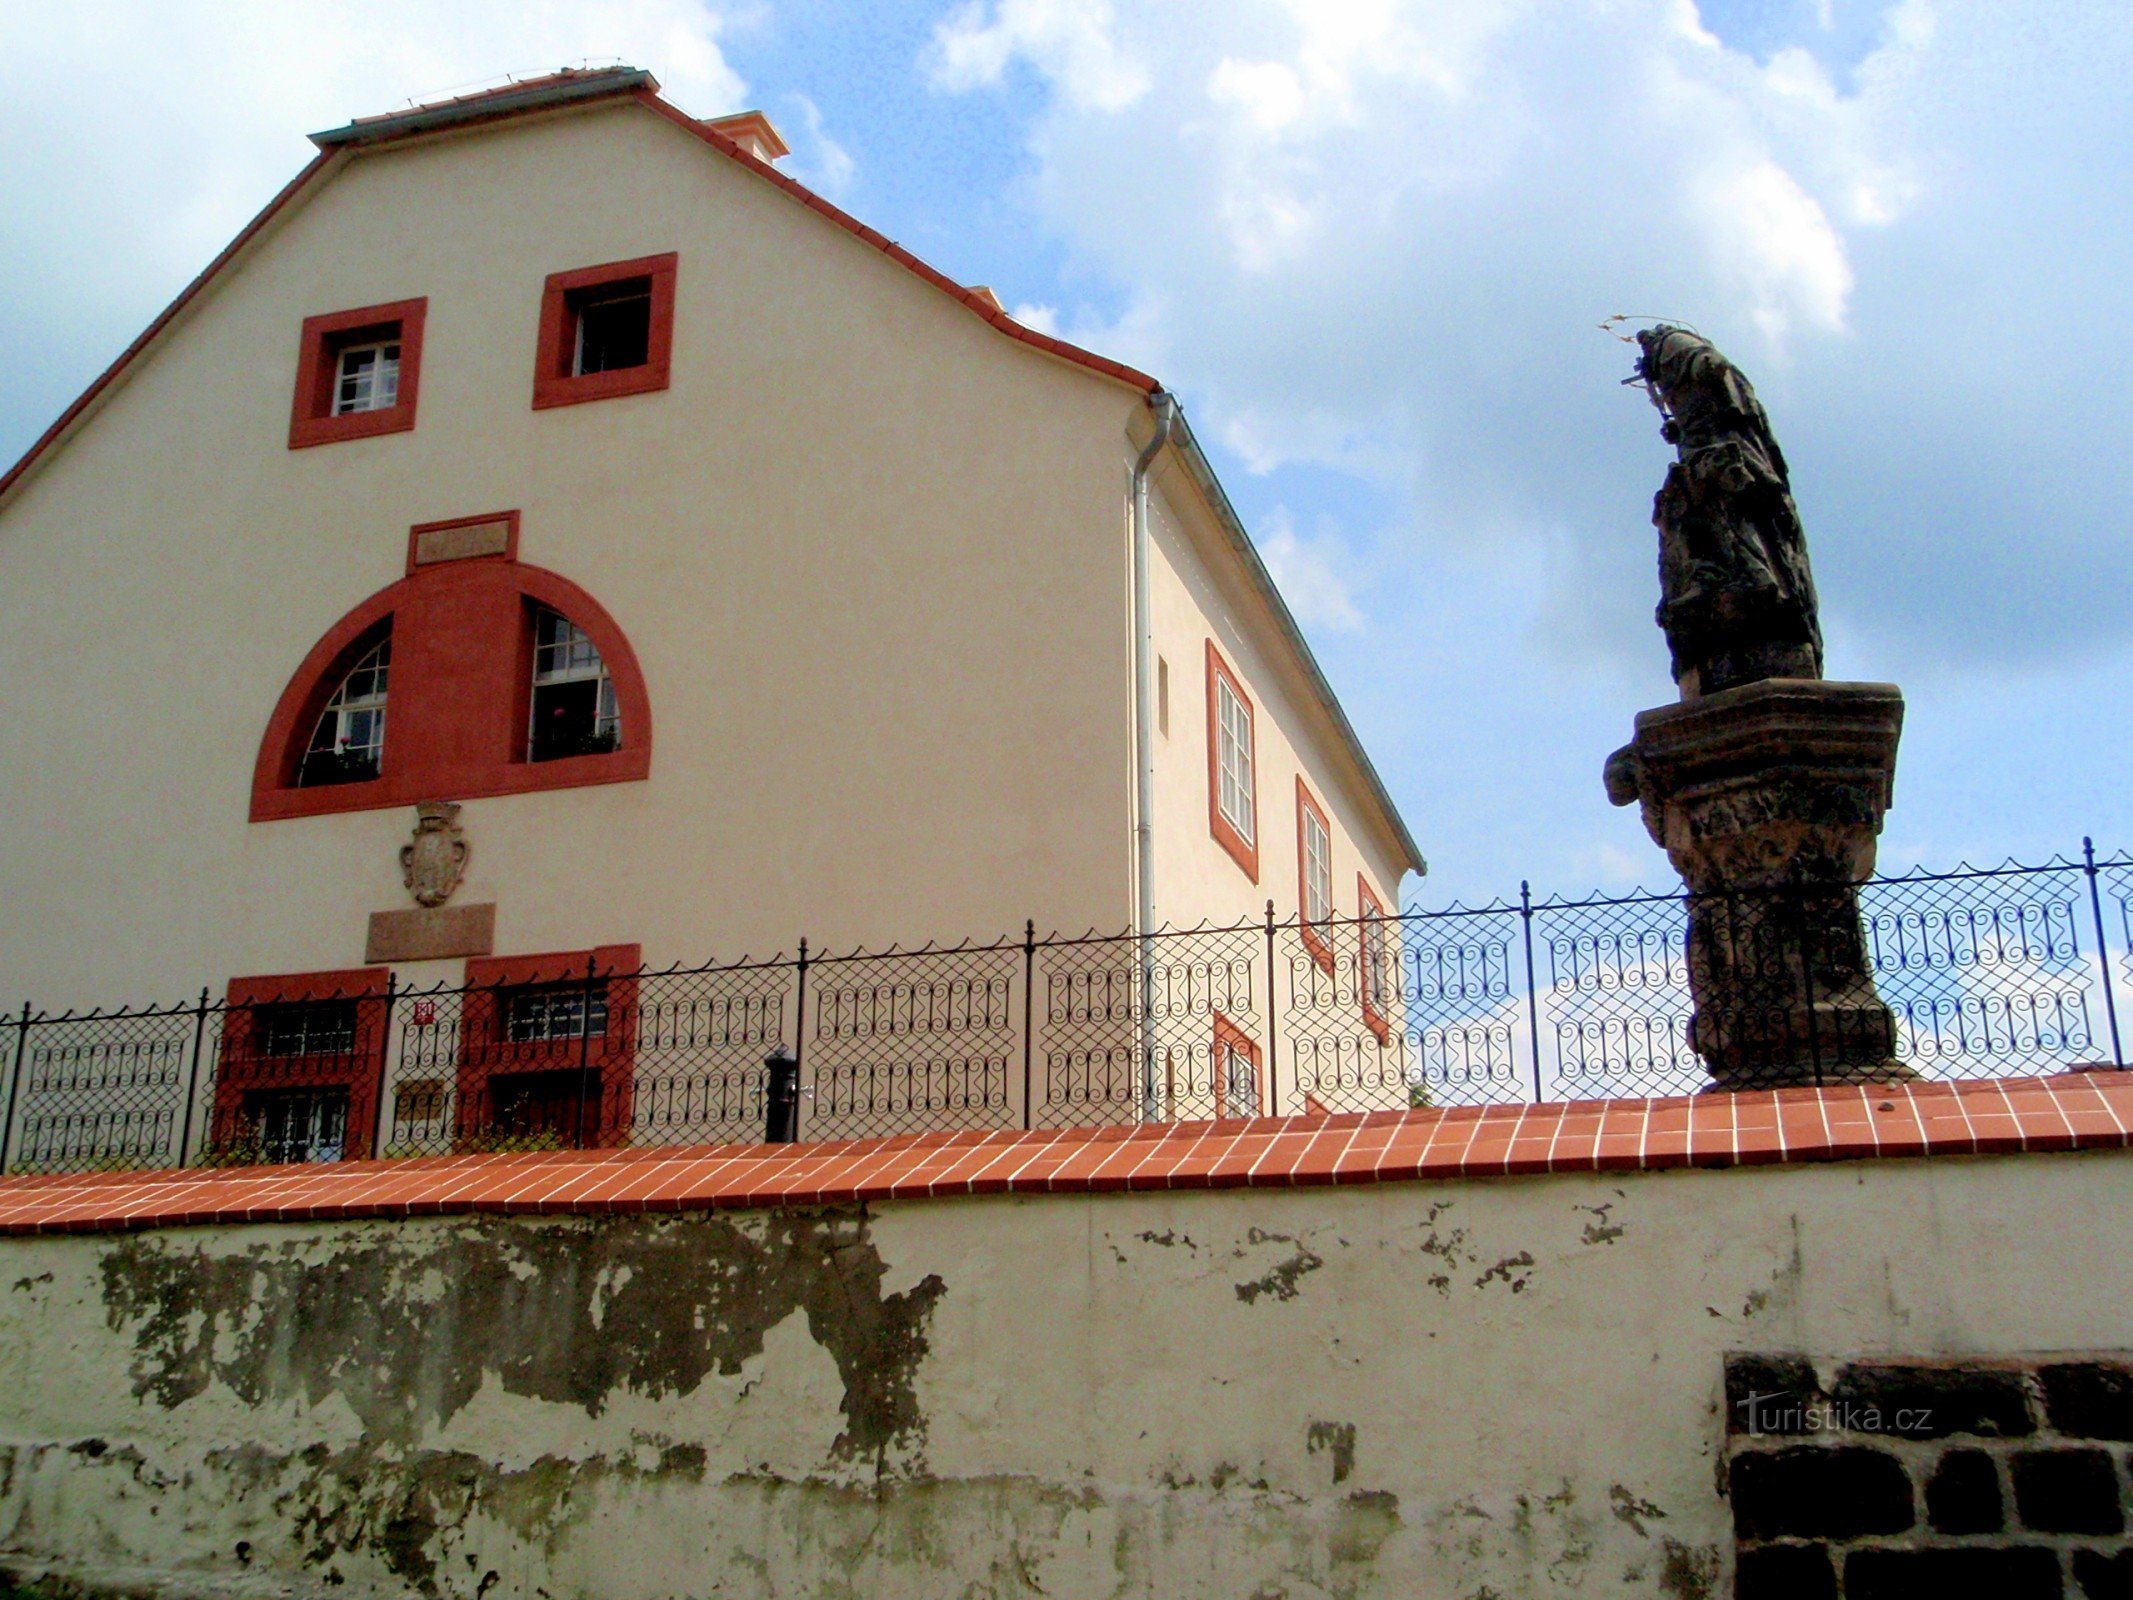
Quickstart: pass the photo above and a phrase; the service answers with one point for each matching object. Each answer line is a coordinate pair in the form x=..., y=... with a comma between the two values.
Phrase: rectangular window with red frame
x=1236, y=1078
x=1314, y=877
x=358, y=373
x=300, y=1068
x=1376, y=962
x=605, y=331
x=547, y=1050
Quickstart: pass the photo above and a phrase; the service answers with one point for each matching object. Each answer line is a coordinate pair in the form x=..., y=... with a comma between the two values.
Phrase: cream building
x=738, y=575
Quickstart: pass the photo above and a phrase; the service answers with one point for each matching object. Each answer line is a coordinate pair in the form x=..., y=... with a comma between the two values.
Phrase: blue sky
x=1369, y=242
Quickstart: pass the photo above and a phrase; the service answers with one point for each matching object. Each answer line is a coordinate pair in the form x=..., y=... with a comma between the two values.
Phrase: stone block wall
x=1895, y=1480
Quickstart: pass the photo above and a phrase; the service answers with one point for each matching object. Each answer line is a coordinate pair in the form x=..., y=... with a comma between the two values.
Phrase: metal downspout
x=1165, y=407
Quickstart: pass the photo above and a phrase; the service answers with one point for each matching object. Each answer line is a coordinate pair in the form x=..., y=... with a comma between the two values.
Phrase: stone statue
x=1737, y=601
x=1765, y=785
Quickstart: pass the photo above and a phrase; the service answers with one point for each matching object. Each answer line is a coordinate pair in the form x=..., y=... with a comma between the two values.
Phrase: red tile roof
x=2072, y=1111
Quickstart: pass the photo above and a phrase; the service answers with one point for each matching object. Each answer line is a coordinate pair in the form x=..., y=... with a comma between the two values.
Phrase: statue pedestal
x=1768, y=799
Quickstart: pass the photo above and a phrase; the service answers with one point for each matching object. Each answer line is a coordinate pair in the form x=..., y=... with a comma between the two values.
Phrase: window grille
x=555, y=1011
x=299, y=1124
x=306, y=1028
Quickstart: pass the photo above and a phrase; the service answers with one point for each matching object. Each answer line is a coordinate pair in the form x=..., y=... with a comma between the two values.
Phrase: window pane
x=367, y=378
x=299, y=1124
x=1318, y=869
x=306, y=1028
x=348, y=742
x=1234, y=758
x=555, y=1011
x=574, y=710
x=615, y=328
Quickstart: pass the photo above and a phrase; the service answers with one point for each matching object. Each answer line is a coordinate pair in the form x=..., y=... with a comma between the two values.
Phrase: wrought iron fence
x=1976, y=972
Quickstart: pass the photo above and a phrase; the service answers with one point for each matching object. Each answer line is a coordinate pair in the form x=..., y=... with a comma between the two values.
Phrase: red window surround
x=568, y=1088
x=1369, y=974
x=246, y=1071
x=462, y=675
x=1234, y=1048
x=554, y=383
x=311, y=418
x=1245, y=852
x=1314, y=933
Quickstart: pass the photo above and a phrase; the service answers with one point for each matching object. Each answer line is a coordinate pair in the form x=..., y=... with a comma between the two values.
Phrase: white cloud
x=1774, y=251
x=824, y=165
x=1310, y=573
x=1044, y=319
x=1073, y=43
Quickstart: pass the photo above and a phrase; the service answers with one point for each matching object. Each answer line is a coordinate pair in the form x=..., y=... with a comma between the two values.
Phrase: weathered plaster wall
x=1489, y=1389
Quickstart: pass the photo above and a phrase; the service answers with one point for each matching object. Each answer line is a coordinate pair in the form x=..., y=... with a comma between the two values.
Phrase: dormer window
x=574, y=711
x=348, y=742
x=605, y=331
x=369, y=378
x=357, y=373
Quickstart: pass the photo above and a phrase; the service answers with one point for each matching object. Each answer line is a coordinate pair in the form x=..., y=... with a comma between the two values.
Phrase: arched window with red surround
x=473, y=675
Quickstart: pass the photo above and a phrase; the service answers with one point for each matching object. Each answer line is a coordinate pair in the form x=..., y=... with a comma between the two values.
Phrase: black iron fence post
x=1533, y=1019
x=14, y=1084
x=799, y=1048
x=1273, y=1017
x=781, y=1102
x=1029, y=983
x=1807, y=973
x=2103, y=948
x=384, y=1058
x=585, y=1019
x=192, y=1077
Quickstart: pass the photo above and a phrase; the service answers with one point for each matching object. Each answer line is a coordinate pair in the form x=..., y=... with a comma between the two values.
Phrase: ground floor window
x=295, y=1125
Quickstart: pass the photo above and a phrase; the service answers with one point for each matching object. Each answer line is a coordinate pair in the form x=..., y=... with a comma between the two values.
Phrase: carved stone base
x=1768, y=799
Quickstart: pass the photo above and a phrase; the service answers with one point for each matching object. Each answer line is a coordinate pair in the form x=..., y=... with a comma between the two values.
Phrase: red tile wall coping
x=2079, y=1110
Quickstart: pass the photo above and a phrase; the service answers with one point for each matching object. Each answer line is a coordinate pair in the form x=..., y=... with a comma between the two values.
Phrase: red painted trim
x=971, y=300
x=1231, y=1040
x=456, y=709
x=509, y=518
x=241, y=1070
x=610, y=1058
x=148, y=335
x=311, y=418
x=1243, y=851
x=553, y=382
x=1314, y=934
x=1369, y=906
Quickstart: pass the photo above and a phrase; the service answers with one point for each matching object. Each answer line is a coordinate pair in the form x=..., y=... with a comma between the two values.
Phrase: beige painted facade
x=873, y=556
x=1509, y=1387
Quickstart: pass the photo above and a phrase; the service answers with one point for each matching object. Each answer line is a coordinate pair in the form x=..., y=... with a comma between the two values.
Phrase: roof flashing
x=531, y=94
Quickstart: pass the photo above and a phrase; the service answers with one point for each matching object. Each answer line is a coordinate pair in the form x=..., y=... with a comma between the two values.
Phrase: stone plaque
x=430, y=934
x=458, y=544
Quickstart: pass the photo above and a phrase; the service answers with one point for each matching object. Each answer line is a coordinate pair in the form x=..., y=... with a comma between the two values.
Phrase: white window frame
x=346, y=709
x=1318, y=866
x=571, y=657
x=378, y=388
x=1234, y=760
